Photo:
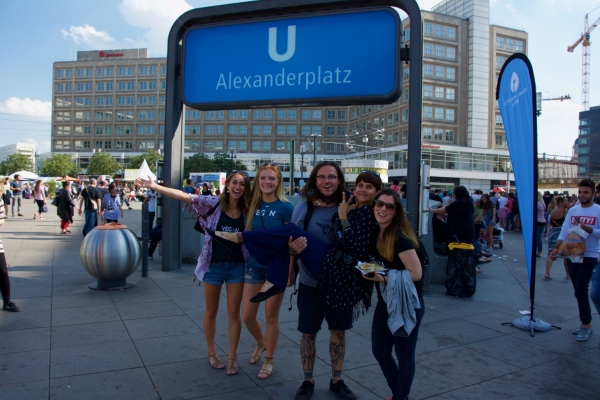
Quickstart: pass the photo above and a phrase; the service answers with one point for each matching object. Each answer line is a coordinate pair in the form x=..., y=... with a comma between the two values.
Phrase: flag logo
x=514, y=82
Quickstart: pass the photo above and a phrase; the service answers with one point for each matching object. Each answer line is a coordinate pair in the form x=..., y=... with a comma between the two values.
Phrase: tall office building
x=26, y=149
x=588, y=144
x=113, y=101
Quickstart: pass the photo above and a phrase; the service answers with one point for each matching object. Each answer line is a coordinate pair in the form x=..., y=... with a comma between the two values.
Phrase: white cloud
x=512, y=10
x=33, y=108
x=89, y=36
x=155, y=18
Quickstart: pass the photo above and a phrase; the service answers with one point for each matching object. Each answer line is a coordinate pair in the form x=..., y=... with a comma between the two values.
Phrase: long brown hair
x=243, y=202
x=37, y=186
x=399, y=225
x=485, y=205
x=256, y=194
x=311, y=192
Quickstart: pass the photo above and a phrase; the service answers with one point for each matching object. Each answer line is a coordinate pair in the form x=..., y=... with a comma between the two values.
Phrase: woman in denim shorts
x=268, y=208
x=219, y=262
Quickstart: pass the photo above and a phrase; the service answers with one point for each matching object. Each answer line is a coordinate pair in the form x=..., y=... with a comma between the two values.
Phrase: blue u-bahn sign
x=345, y=57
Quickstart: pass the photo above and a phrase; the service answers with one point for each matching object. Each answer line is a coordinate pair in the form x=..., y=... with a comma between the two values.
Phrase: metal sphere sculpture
x=111, y=253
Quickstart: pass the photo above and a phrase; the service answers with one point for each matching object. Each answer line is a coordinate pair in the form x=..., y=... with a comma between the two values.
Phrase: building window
x=427, y=133
x=450, y=73
x=89, y=72
x=519, y=45
x=510, y=44
x=405, y=115
x=451, y=53
x=439, y=30
x=499, y=42
x=427, y=112
x=439, y=51
x=428, y=49
x=428, y=28
x=438, y=134
x=449, y=94
x=584, y=141
x=499, y=140
x=451, y=33
x=439, y=71
x=499, y=120
x=584, y=121
x=406, y=73
x=428, y=70
x=449, y=114
x=427, y=91
x=449, y=136
x=439, y=113
x=404, y=135
x=500, y=61
x=584, y=131
x=439, y=92
x=406, y=34
x=584, y=150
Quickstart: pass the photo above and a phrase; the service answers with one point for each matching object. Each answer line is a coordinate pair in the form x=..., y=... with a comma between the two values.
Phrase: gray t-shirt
x=320, y=225
x=16, y=185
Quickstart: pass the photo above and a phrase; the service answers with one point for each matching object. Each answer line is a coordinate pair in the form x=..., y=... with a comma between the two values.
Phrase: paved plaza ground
x=69, y=342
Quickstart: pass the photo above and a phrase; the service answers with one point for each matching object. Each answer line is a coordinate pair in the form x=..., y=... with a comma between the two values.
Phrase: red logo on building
x=103, y=54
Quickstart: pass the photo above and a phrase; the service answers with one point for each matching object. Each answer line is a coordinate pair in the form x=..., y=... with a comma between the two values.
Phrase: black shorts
x=312, y=314
x=6, y=199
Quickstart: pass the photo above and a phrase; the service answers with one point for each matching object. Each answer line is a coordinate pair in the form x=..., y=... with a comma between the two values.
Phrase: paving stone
x=24, y=366
x=171, y=349
x=148, y=310
x=88, y=334
x=84, y=315
x=159, y=327
x=126, y=384
x=22, y=340
x=31, y=390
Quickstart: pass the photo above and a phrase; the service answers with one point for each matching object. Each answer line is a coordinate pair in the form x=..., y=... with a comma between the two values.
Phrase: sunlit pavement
x=69, y=342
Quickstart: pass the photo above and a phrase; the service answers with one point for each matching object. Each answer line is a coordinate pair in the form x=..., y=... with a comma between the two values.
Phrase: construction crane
x=561, y=98
x=585, y=75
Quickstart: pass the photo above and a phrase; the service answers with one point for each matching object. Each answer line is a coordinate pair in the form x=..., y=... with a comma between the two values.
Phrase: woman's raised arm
x=165, y=191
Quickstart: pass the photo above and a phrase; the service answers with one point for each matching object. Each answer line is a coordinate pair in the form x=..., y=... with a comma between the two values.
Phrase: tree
x=224, y=163
x=59, y=165
x=151, y=156
x=15, y=162
x=199, y=162
x=103, y=164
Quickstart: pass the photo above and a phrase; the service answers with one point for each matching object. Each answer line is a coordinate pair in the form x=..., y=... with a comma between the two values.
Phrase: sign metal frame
x=174, y=138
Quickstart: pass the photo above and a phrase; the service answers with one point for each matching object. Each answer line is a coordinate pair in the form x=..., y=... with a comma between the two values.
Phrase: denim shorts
x=255, y=275
x=220, y=272
x=311, y=313
x=487, y=222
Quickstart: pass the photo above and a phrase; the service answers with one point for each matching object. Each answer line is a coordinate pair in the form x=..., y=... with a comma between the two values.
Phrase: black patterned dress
x=341, y=286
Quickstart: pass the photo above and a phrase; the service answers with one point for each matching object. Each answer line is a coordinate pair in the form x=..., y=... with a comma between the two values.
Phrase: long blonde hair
x=256, y=194
x=399, y=224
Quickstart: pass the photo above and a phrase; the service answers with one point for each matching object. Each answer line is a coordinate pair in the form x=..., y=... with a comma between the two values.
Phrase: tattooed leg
x=308, y=352
x=337, y=350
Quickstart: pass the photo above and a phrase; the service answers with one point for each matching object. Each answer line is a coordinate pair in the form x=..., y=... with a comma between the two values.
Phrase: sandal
x=232, y=366
x=267, y=369
x=215, y=361
x=547, y=278
x=257, y=353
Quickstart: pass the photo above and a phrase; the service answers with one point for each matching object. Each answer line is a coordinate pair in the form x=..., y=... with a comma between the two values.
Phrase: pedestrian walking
x=557, y=219
x=112, y=209
x=90, y=198
x=541, y=223
x=586, y=215
x=66, y=206
x=151, y=200
x=397, y=317
x=8, y=304
x=16, y=187
x=39, y=198
x=218, y=263
x=6, y=194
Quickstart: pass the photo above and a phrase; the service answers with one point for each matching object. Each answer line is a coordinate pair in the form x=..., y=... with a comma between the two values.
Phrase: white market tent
x=144, y=172
x=25, y=175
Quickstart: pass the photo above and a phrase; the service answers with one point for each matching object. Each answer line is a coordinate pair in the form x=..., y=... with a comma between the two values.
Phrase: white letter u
x=291, y=44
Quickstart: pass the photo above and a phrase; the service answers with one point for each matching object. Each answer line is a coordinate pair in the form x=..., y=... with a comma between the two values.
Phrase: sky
x=36, y=33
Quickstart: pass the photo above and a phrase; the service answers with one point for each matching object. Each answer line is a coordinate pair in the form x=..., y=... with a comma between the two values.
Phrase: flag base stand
x=531, y=324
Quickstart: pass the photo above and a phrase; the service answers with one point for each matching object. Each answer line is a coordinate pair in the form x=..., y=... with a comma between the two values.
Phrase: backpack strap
x=310, y=209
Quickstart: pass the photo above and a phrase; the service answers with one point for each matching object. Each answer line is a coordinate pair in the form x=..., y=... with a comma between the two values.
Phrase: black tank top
x=557, y=222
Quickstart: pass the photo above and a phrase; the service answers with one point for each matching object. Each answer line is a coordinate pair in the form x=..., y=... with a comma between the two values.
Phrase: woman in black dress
x=66, y=207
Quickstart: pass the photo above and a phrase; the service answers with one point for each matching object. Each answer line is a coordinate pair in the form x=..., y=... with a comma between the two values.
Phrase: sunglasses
x=237, y=171
x=388, y=206
x=270, y=165
x=373, y=172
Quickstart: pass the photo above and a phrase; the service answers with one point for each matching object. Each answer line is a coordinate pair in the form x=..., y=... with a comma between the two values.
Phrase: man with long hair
x=323, y=193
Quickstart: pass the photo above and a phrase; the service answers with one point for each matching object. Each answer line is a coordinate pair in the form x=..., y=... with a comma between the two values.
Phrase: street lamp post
x=302, y=149
x=233, y=154
x=123, y=166
x=315, y=136
x=77, y=163
x=365, y=141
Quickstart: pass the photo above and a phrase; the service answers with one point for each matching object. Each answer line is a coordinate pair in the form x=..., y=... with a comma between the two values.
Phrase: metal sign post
x=281, y=53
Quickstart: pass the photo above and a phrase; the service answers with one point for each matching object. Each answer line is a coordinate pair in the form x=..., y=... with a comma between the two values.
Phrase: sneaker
x=576, y=330
x=20, y=215
x=341, y=390
x=10, y=307
x=305, y=391
x=34, y=216
x=131, y=208
x=42, y=217
x=584, y=334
